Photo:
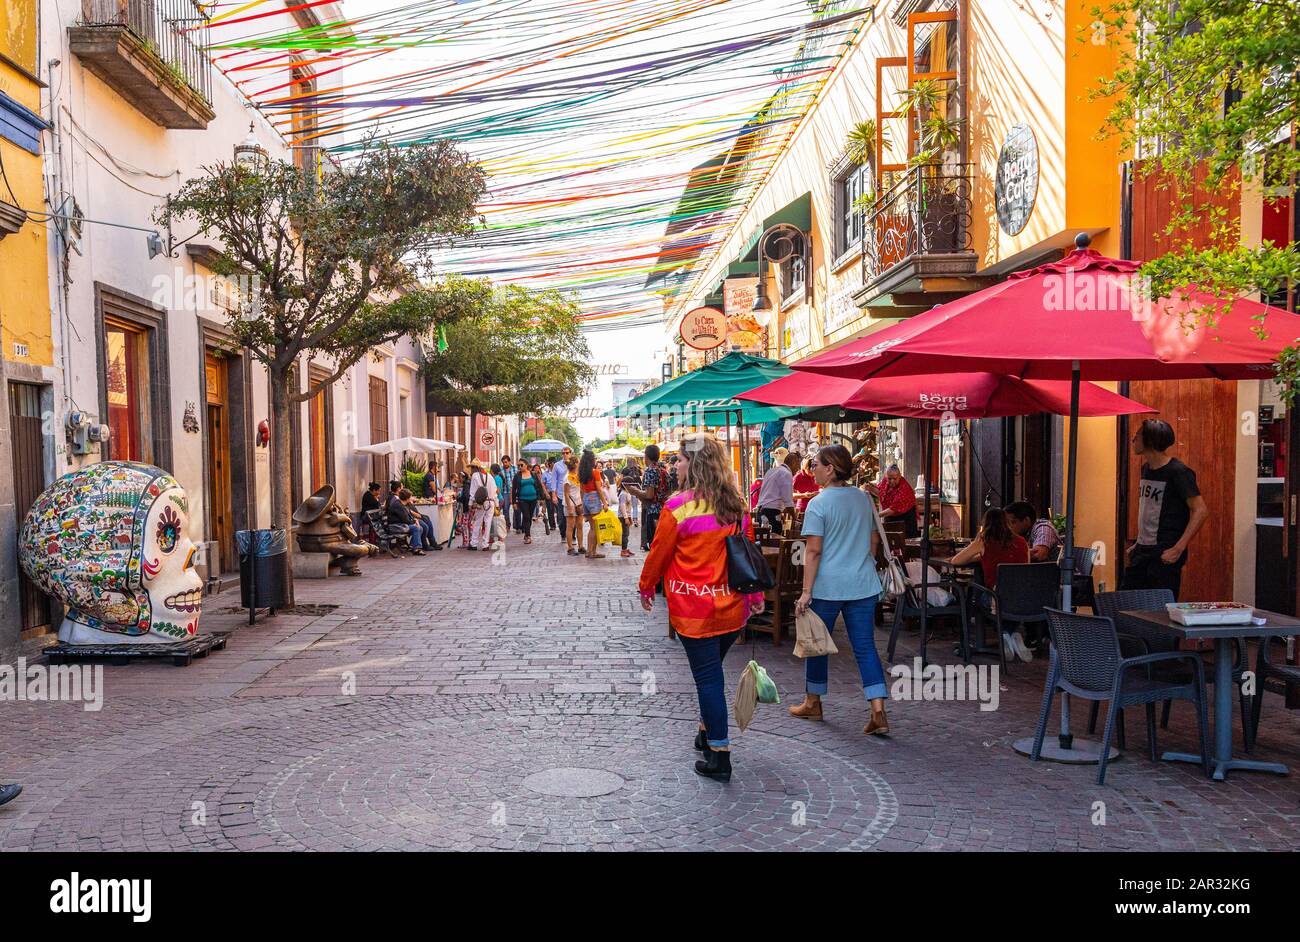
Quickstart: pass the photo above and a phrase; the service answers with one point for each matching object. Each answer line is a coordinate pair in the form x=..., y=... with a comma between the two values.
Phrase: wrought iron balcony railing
x=174, y=30
x=923, y=211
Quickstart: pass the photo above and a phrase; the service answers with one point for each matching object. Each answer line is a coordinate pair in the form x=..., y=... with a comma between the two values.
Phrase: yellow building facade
x=24, y=279
x=26, y=340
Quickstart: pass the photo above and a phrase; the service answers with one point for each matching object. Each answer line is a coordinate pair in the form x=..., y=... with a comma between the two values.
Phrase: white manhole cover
x=574, y=783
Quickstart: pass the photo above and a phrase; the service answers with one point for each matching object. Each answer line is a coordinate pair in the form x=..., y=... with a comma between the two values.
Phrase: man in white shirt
x=777, y=492
x=480, y=515
x=558, y=476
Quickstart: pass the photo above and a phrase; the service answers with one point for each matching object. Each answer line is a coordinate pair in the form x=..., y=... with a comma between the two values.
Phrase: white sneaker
x=1022, y=649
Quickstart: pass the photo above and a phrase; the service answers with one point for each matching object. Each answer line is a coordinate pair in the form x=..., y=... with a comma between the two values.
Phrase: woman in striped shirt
x=689, y=554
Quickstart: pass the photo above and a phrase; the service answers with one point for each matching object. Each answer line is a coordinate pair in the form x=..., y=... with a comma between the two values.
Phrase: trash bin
x=263, y=568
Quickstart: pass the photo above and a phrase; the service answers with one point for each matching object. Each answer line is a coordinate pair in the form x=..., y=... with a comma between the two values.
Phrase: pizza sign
x=704, y=328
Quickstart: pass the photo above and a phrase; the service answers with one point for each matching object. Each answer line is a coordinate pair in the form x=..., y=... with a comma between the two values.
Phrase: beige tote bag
x=812, y=639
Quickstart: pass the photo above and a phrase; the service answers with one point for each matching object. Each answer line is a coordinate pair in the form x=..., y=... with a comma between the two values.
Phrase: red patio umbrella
x=1084, y=317
x=938, y=397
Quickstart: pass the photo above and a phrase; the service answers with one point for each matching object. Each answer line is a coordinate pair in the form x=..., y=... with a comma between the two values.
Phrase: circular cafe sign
x=1017, y=183
x=704, y=328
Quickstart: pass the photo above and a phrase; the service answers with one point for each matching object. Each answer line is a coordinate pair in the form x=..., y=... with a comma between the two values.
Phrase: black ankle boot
x=702, y=741
x=717, y=766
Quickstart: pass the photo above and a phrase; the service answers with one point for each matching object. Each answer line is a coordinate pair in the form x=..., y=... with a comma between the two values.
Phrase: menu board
x=950, y=461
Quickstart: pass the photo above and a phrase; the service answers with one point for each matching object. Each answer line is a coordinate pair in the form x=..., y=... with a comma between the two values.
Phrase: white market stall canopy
x=623, y=451
x=398, y=446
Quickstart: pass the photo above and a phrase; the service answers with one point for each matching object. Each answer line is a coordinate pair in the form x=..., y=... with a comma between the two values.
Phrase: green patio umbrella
x=707, y=396
x=709, y=391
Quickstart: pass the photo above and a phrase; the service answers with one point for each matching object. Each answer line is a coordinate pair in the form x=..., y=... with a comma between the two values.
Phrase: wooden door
x=28, y=445
x=379, y=428
x=1203, y=412
x=220, y=505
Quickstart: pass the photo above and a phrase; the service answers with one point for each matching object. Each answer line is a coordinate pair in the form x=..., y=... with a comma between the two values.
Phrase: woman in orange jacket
x=689, y=554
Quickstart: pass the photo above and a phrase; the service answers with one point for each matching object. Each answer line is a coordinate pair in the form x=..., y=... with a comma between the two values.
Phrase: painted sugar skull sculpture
x=110, y=541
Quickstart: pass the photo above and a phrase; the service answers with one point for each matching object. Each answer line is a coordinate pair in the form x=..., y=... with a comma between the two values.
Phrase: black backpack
x=480, y=496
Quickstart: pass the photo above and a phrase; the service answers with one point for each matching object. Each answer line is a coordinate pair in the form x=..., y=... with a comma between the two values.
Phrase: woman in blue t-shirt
x=525, y=492
x=839, y=576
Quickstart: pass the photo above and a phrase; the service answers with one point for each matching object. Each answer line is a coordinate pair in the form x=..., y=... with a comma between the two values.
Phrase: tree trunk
x=282, y=460
x=473, y=436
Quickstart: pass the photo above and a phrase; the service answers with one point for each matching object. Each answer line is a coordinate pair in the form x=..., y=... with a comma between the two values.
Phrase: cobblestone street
x=477, y=675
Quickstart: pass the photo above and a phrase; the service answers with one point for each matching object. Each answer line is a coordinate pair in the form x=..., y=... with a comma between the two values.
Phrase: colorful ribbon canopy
x=622, y=138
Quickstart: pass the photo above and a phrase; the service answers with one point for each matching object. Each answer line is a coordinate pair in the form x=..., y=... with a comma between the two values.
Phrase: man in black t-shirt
x=1170, y=512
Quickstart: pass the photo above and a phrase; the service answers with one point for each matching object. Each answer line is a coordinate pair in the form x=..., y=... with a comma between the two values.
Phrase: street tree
x=326, y=257
x=521, y=352
x=1210, y=90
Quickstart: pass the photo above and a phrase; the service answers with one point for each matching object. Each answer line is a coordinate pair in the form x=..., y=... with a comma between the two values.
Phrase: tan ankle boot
x=879, y=725
x=810, y=709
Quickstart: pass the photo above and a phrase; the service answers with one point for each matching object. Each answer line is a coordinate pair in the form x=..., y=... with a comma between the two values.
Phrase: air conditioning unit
x=207, y=562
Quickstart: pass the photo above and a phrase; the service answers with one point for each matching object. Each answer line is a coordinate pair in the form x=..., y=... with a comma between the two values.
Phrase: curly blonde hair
x=710, y=477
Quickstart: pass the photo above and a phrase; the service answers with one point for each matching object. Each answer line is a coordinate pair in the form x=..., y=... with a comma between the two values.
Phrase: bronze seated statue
x=325, y=527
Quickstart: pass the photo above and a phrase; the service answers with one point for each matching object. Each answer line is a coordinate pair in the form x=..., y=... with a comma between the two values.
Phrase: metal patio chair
x=1087, y=663
x=1111, y=604
x=908, y=605
x=1023, y=594
x=1264, y=669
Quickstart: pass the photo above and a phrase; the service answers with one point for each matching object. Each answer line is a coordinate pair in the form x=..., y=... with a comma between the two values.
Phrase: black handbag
x=747, y=570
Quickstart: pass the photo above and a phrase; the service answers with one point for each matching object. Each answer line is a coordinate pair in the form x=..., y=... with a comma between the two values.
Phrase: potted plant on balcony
x=937, y=187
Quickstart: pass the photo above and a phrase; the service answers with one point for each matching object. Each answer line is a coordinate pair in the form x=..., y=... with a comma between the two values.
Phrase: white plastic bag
x=936, y=594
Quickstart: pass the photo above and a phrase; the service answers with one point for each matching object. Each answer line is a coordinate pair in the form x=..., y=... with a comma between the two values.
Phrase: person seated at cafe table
x=805, y=486
x=777, y=492
x=1039, y=532
x=996, y=544
x=897, y=499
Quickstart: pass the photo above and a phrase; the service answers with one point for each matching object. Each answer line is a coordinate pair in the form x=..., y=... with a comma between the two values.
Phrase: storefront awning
x=797, y=213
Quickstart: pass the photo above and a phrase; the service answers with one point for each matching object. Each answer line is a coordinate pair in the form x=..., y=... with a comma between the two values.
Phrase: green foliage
x=413, y=482
x=414, y=464
x=634, y=439
x=321, y=251
x=860, y=143
x=1209, y=87
x=520, y=351
x=923, y=104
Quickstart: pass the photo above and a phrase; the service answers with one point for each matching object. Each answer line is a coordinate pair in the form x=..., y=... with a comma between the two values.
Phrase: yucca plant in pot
x=938, y=197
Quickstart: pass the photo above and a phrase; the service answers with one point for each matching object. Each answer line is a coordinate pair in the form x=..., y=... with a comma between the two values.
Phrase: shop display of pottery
x=110, y=542
x=325, y=527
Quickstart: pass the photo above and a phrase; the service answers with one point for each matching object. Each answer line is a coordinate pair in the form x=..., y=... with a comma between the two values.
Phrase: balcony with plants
x=916, y=229
x=154, y=53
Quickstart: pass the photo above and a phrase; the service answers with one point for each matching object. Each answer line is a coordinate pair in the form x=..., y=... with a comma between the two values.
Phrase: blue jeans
x=705, y=655
x=859, y=619
x=416, y=542
x=426, y=531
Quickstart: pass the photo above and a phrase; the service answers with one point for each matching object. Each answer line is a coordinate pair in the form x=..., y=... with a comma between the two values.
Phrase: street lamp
x=249, y=153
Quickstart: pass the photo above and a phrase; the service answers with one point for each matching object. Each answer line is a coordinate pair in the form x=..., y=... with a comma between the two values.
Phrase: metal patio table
x=1275, y=625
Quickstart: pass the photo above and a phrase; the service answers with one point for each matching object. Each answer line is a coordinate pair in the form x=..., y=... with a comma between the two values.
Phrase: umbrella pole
x=1067, y=555
x=728, y=414
x=925, y=541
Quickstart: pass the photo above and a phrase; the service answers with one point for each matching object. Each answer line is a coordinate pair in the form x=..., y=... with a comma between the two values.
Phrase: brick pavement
x=410, y=717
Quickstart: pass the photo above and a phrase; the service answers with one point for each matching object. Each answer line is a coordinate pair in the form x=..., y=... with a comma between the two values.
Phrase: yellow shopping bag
x=608, y=529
